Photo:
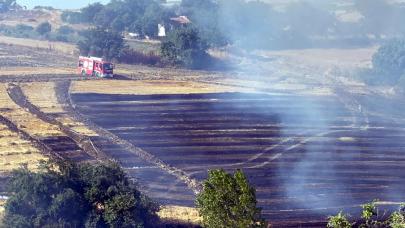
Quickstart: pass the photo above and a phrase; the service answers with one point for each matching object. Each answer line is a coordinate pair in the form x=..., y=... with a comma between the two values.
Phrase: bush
x=228, y=201
x=65, y=30
x=19, y=30
x=67, y=195
x=370, y=218
x=44, y=28
x=24, y=28
x=338, y=221
x=397, y=219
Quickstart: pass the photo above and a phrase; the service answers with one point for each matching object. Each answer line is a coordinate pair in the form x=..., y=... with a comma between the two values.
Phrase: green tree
x=63, y=194
x=89, y=12
x=102, y=43
x=183, y=46
x=44, y=28
x=228, y=201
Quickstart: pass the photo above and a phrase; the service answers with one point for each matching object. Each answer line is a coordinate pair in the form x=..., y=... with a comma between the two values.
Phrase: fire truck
x=95, y=67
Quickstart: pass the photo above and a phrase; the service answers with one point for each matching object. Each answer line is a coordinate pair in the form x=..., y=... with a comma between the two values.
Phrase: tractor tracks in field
x=43, y=147
x=63, y=95
x=84, y=142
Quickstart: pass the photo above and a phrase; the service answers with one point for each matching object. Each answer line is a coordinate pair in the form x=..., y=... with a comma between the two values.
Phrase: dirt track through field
x=308, y=157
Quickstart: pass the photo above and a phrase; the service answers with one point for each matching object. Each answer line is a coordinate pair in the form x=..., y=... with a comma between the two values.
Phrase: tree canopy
x=137, y=16
x=103, y=43
x=228, y=201
x=184, y=47
x=44, y=28
x=63, y=194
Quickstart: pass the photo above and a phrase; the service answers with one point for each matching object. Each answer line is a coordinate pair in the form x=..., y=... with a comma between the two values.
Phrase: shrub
x=65, y=30
x=370, y=218
x=338, y=221
x=228, y=201
x=24, y=28
x=397, y=220
x=369, y=210
x=63, y=194
x=44, y=28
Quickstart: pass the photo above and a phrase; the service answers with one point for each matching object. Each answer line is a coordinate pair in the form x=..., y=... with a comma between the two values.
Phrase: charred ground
x=311, y=142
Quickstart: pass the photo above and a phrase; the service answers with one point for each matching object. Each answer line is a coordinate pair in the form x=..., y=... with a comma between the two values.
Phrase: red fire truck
x=95, y=66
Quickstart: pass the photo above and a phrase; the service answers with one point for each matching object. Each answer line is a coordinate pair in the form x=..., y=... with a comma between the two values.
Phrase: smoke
x=299, y=24
x=323, y=160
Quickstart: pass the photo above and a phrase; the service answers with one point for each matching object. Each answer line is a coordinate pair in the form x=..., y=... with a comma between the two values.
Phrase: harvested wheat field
x=16, y=151
x=43, y=95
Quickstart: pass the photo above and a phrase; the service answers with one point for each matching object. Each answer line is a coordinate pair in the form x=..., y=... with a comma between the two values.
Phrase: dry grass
x=180, y=214
x=145, y=87
x=24, y=119
x=21, y=71
x=57, y=46
x=43, y=95
x=15, y=151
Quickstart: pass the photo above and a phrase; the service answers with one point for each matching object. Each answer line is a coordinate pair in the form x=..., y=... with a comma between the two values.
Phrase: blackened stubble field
x=308, y=157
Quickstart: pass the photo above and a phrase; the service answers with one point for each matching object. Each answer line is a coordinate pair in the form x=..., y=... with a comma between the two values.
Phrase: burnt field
x=308, y=157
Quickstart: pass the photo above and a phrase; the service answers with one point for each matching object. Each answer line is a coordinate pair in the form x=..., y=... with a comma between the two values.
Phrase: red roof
x=181, y=19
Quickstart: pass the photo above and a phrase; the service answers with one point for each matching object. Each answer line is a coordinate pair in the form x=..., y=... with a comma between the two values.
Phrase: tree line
x=252, y=24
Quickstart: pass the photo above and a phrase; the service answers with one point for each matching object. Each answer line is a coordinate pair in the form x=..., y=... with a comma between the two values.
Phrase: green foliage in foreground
x=339, y=221
x=369, y=218
x=68, y=195
x=228, y=201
